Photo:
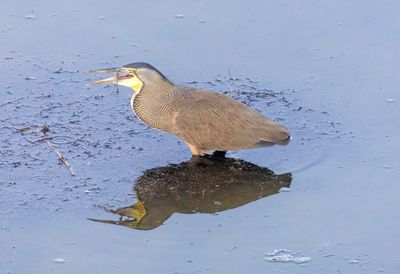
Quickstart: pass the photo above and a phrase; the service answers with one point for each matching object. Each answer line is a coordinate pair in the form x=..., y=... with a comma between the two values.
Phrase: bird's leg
x=195, y=150
x=197, y=157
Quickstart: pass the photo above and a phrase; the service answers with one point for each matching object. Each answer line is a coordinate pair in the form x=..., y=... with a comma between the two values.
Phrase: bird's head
x=134, y=75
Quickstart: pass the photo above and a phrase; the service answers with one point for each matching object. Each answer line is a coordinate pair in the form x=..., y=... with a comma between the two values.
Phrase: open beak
x=106, y=70
x=120, y=74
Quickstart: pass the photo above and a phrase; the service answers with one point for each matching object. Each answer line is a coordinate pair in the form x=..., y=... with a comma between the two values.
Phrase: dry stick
x=116, y=76
x=230, y=79
x=62, y=158
x=40, y=140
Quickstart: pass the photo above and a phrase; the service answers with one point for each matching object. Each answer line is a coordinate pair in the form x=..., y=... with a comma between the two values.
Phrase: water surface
x=326, y=70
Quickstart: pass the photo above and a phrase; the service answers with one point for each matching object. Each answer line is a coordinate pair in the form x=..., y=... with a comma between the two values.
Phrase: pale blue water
x=326, y=70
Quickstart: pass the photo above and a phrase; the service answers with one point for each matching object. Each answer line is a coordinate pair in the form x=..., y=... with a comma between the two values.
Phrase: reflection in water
x=184, y=188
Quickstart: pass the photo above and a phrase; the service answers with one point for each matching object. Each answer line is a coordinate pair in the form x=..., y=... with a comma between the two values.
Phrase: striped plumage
x=206, y=121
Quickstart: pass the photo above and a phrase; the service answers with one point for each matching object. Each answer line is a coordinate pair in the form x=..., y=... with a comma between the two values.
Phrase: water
x=326, y=70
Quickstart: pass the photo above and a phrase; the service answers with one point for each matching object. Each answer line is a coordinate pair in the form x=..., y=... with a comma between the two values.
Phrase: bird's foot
x=220, y=155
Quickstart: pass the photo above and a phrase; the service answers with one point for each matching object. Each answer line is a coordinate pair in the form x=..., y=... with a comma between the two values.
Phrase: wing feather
x=213, y=121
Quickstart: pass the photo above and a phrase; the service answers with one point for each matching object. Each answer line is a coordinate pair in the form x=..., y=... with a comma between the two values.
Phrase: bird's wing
x=213, y=121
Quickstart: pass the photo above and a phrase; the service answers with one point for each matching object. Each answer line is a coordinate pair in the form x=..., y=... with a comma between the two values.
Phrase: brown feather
x=213, y=121
x=206, y=121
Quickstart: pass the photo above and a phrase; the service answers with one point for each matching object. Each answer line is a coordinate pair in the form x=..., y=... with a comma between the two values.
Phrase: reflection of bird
x=205, y=120
x=205, y=189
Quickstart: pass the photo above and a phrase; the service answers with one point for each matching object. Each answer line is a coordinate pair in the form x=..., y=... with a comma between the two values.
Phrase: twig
x=230, y=79
x=116, y=76
x=62, y=158
x=40, y=140
x=230, y=75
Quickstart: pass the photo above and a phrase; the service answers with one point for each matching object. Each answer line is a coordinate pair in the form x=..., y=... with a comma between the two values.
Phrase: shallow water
x=326, y=70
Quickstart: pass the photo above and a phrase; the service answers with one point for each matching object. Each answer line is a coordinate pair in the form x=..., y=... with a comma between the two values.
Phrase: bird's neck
x=154, y=104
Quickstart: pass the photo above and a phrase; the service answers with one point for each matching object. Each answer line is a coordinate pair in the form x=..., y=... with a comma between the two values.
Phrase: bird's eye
x=133, y=71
